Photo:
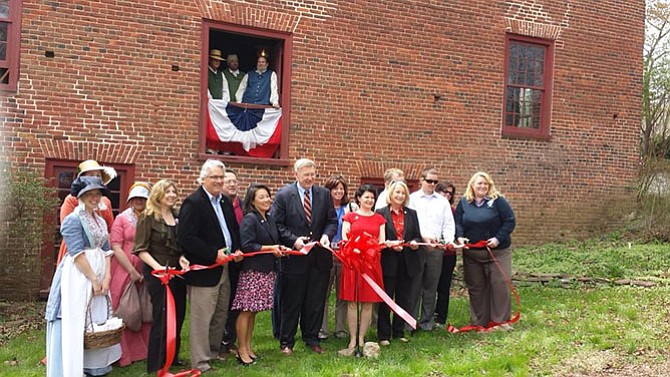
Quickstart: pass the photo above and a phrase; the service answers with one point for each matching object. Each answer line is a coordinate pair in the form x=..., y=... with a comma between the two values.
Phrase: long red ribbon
x=362, y=265
x=491, y=325
x=171, y=336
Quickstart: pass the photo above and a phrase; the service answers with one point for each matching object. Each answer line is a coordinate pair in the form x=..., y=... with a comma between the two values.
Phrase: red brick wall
x=366, y=75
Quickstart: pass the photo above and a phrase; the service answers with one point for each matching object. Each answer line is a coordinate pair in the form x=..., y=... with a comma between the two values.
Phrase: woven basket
x=101, y=339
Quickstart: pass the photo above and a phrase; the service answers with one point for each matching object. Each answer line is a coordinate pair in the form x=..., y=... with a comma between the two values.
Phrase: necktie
x=308, y=207
x=222, y=221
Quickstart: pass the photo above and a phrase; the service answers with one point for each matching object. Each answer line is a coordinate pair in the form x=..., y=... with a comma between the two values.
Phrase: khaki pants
x=488, y=290
x=208, y=313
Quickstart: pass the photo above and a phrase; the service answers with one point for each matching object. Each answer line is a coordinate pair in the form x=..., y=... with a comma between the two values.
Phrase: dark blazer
x=289, y=213
x=200, y=235
x=390, y=257
x=255, y=233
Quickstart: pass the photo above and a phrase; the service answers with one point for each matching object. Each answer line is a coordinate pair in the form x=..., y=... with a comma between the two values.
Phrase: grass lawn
x=580, y=329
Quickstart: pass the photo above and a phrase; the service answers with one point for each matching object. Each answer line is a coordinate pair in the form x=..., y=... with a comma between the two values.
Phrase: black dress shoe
x=178, y=363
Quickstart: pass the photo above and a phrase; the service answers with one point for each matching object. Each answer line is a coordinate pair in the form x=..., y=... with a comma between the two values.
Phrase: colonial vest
x=233, y=83
x=215, y=83
x=258, y=88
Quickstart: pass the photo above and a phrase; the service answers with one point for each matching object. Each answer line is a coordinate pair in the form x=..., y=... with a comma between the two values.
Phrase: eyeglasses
x=216, y=177
x=431, y=181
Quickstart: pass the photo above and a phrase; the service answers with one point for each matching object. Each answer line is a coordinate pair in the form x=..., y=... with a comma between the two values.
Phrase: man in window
x=232, y=77
x=260, y=86
x=215, y=78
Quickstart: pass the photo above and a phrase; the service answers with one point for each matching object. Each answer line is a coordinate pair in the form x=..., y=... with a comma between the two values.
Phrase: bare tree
x=655, y=132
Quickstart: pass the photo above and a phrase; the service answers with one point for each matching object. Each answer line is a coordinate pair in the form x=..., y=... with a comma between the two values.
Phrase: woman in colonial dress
x=89, y=168
x=82, y=276
x=127, y=269
x=353, y=288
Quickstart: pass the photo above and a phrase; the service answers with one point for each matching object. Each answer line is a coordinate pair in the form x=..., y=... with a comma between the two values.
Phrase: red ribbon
x=361, y=253
x=491, y=325
x=171, y=336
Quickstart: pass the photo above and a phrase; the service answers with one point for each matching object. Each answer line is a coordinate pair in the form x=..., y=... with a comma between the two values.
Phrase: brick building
x=544, y=95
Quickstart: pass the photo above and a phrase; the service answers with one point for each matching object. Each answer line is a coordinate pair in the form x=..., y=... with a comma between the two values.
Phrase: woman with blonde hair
x=483, y=214
x=400, y=264
x=156, y=244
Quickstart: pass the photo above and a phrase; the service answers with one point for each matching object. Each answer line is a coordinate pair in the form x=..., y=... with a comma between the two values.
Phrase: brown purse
x=145, y=304
x=129, y=309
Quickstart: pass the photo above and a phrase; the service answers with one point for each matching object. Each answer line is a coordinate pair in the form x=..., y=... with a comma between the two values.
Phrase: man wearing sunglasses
x=437, y=226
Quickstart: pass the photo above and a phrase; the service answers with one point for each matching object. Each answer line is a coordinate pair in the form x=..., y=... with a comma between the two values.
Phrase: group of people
x=408, y=261
x=232, y=85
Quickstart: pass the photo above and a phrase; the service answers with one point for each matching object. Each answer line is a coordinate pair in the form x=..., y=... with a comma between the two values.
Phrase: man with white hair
x=304, y=212
x=208, y=232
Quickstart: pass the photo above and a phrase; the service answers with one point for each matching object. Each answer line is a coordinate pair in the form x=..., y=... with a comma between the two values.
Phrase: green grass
x=560, y=329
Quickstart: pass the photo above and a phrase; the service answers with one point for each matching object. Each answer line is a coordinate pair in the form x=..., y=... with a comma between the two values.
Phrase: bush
x=27, y=203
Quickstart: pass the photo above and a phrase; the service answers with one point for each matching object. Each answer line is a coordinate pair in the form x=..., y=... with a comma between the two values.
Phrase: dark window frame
x=13, y=48
x=283, y=69
x=544, y=130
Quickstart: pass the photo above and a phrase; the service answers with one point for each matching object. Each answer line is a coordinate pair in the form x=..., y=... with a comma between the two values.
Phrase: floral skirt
x=254, y=291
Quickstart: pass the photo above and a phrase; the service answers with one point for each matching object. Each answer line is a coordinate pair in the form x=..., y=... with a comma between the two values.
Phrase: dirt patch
x=19, y=317
x=609, y=364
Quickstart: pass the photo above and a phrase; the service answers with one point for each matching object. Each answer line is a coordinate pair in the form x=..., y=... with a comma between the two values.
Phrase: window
x=10, y=15
x=61, y=174
x=221, y=139
x=528, y=86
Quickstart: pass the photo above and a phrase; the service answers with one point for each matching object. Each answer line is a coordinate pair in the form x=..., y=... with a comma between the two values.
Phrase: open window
x=10, y=38
x=245, y=132
x=528, y=87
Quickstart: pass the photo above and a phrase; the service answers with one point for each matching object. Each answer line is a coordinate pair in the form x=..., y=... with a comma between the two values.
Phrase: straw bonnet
x=139, y=190
x=216, y=54
x=108, y=173
x=84, y=184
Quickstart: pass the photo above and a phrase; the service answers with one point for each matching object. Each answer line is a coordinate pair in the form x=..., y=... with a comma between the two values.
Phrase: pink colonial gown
x=133, y=344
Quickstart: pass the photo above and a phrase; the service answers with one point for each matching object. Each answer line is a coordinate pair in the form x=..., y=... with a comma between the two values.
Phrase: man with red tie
x=304, y=212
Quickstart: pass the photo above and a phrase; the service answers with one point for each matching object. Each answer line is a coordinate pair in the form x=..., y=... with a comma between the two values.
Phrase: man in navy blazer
x=303, y=279
x=208, y=231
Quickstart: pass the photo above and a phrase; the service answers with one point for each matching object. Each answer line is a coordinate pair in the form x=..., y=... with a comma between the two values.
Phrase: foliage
x=578, y=331
x=656, y=81
x=27, y=200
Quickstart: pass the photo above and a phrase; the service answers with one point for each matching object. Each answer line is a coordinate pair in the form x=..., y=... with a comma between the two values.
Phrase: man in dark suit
x=304, y=212
x=207, y=232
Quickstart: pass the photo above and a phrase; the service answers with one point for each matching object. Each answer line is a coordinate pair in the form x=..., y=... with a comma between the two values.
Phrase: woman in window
x=156, y=244
x=81, y=283
x=255, y=287
x=483, y=214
